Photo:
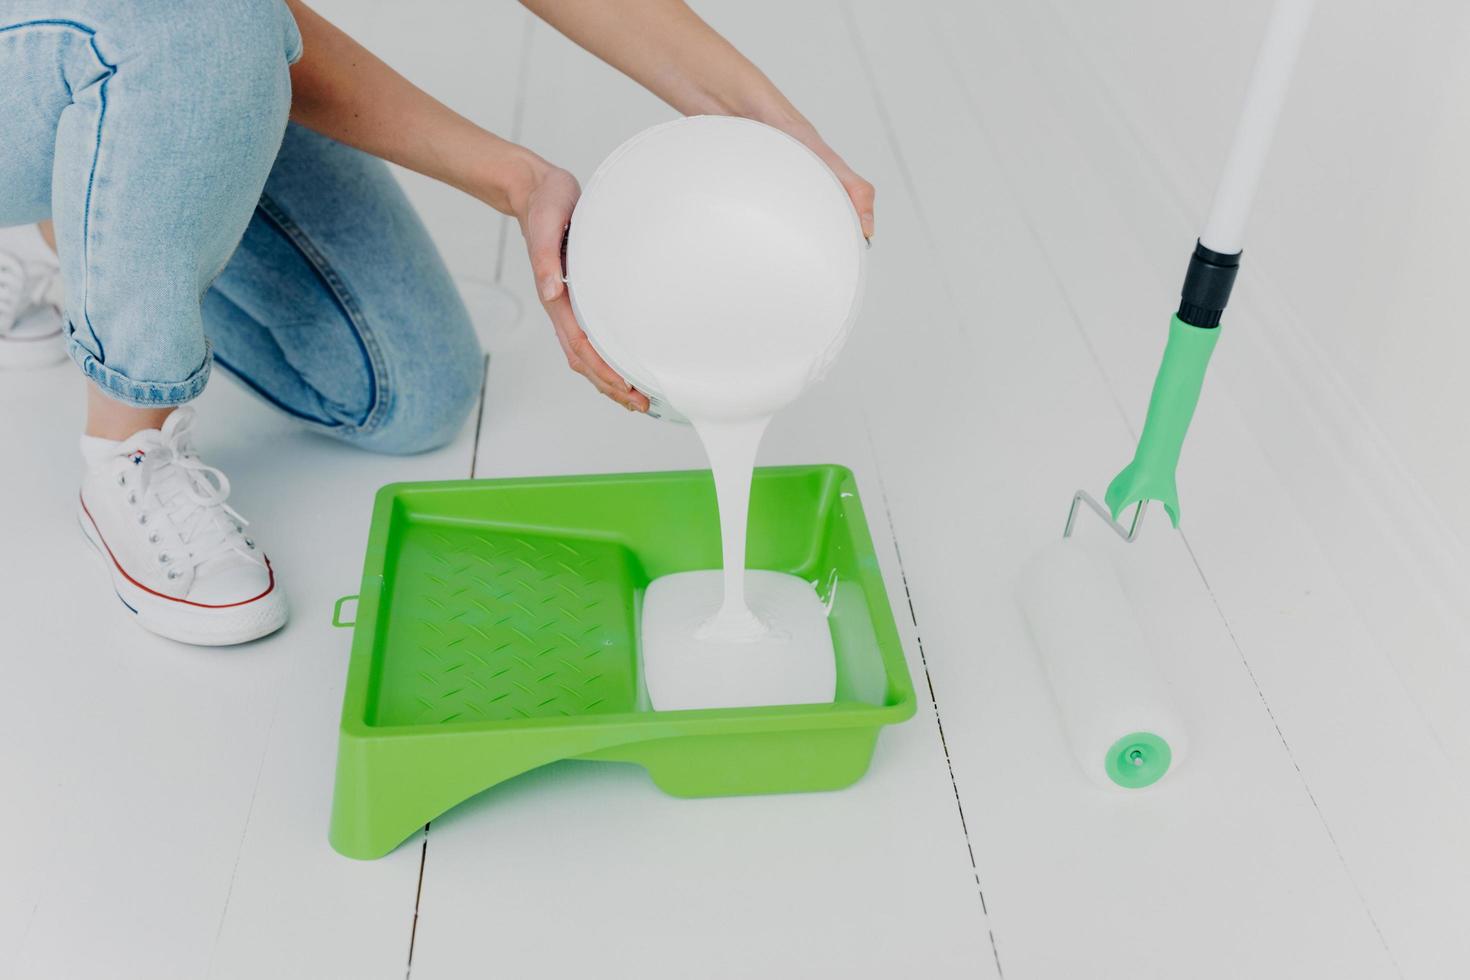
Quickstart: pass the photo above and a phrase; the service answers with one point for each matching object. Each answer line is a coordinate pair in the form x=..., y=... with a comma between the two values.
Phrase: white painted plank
x=468, y=56
x=175, y=801
x=125, y=757
x=869, y=881
x=177, y=798
x=296, y=908
x=1340, y=448
x=1360, y=217
x=139, y=760
x=1374, y=762
x=1227, y=863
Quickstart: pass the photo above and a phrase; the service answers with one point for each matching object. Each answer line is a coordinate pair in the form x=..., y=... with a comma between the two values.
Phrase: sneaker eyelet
x=173, y=573
x=163, y=558
x=142, y=518
x=250, y=544
x=153, y=538
x=122, y=479
x=132, y=498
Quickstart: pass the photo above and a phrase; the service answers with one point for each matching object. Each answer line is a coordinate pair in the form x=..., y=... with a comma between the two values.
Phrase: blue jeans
x=196, y=226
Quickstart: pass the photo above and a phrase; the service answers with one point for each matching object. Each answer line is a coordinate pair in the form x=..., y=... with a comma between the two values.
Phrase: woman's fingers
x=859, y=191
x=584, y=359
x=599, y=370
x=545, y=228
x=862, y=194
x=543, y=241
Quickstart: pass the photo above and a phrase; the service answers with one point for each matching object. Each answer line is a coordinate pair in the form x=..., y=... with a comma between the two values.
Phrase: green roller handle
x=1176, y=392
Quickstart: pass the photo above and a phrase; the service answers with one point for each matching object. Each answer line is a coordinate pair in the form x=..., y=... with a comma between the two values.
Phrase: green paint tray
x=497, y=631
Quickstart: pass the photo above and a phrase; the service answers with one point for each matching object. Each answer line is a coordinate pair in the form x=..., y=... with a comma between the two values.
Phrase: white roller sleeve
x=1103, y=677
x=1225, y=228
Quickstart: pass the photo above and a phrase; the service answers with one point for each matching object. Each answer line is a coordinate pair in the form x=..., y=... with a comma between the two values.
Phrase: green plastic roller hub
x=1137, y=760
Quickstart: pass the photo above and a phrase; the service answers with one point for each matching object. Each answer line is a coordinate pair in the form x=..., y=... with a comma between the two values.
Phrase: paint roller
x=1115, y=706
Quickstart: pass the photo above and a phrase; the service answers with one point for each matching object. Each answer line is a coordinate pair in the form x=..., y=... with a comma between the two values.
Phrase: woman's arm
x=344, y=91
x=669, y=50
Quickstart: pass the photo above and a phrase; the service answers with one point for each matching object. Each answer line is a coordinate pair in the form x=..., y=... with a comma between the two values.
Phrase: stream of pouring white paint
x=735, y=637
x=717, y=264
x=731, y=448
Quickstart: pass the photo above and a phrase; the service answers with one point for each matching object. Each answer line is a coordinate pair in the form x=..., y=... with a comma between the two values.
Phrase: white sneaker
x=31, y=301
x=178, y=555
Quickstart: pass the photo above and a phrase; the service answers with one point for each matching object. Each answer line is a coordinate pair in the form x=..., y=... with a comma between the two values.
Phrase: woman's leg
x=146, y=130
x=337, y=308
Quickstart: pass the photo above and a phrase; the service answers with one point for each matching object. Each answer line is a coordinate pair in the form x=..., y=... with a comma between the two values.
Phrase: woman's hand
x=544, y=212
x=345, y=92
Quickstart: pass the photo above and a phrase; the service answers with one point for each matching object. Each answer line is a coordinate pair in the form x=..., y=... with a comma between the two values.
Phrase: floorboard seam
x=480, y=415
x=418, y=896
x=1291, y=757
x=244, y=832
x=933, y=698
x=1329, y=393
x=997, y=153
x=413, y=930
x=1092, y=353
x=1199, y=569
x=890, y=136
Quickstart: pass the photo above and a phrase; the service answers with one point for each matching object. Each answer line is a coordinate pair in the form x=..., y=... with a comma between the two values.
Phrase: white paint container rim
x=604, y=335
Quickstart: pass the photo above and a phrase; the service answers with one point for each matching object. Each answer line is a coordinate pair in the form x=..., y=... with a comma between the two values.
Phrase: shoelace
x=23, y=287
x=193, y=495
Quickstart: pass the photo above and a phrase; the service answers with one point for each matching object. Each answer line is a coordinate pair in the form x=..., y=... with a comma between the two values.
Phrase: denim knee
x=429, y=400
x=234, y=38
x=182, y=119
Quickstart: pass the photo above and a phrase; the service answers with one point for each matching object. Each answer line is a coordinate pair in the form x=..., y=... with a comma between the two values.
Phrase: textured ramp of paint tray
x=492, y=626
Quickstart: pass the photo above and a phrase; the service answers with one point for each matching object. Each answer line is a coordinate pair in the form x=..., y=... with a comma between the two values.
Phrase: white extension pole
x=1113, y=702
x=1225, y=228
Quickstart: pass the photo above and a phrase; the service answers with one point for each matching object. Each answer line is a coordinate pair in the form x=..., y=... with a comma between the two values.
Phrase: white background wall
x=1359, y=227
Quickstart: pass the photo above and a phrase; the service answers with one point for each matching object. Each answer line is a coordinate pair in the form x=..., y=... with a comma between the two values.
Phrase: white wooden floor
x=164, y=809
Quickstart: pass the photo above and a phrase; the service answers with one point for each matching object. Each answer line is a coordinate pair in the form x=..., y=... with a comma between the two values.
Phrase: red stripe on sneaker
x=186, y=602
